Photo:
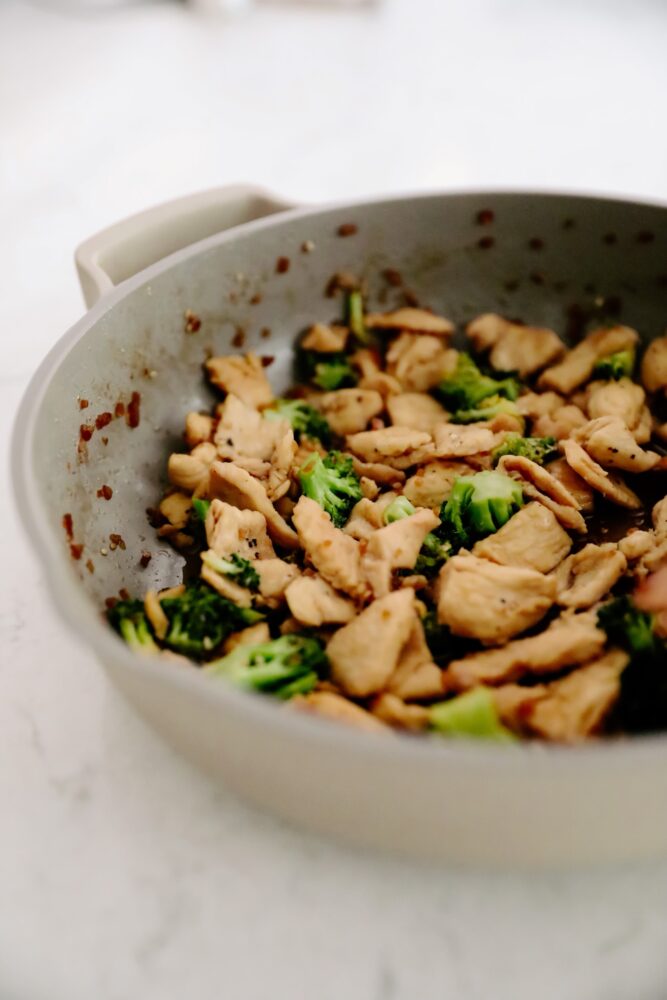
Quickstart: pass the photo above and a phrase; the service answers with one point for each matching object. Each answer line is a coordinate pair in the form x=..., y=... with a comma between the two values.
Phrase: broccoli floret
x=235, y=567
x=627, y=626
x=130, y=621
x=472, y=714
x=354, y=316
x=332, y=483
x=487, y=410
x=303, y=418
x=200, y=619
x=201, y=508
x=478, y=505
x=616, y=366
x=328, y=371
x=434, y=550
x=283, y=667
x=540, y=450
x=467, y=386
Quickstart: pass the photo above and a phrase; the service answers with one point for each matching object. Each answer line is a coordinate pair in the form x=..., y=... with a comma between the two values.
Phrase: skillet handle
x=124, y=249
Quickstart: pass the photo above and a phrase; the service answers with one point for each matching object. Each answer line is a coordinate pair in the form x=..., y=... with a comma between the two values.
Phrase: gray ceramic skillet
x=549, y=259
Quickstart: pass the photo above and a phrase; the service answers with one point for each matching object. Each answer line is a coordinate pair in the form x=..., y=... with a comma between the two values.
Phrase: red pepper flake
x=76, y=550
x=256, y=299
x=105, y=440
x=238, y=340
x=110, y=602
x=119, y=409
x=282, y=265
x=536, y=243
x=307, y=246
x=645, y=236
x=392, y=277
x=123, y=594
x=265, y=333
x=267, y=359
x=90, y=566
x=485, y=217
x=133, y=415
x=102, y=419
x=86, y=432
x=348, y=229
x=116, y=541
x=105, y=492
x=145, y=558
x=192, y=321
x=68, y=525
x=485, y=242
x=83, y=404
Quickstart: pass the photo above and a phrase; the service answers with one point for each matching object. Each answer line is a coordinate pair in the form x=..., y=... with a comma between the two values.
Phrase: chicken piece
x=575, y=707
x=155, y=614
x=560, y=423
x=609, y=442
x=190, y=472
x=569, y=640
x=379, y=473
x=513, y=701
x=659, y=518
x=396, y=546
x=369, y=489
x=654, y=366
x=481, y=600
x=539, y=404
x=610, y=486
x=325, y=339
x=243, y=436
x=585, y=577
x=242, y=376
x=622, y=398
x=459, y=441
x=333, y=553
x=176, y=507
x=416, y=675
x=198, y=428
x=636, y=544
x=399, y=447
x=230, y=530
x=644, y=429
x=578, y=364
x=226, y=587
x=275, y=576
x=416, y=410
x=538, y=484
x=526, y=349
x=432, y=483
x=235, y=486
x=364, y=654
x=282, y=461
x=485, y=331
x=419, y=362
x=338, y=709
x=532, y=538
x=372, y=376
x=411, y=320
x=314, y=602
x=349, y=410
x=573, y=483
x=251, y=636
x=366, y=516
x=390, y=709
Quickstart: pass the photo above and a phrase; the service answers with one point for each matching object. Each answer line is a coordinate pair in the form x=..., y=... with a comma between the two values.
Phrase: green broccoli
x=328, y=371
x=129, y=619
x=354, y=316
x=472, y=714
x=200, y=619
x=540, y=450
x=478, y=505
x=434, y=551
x=332, y=483
x=627, y=626
x=238, y=569
x=303, y=418
x=201, y=508
x=283, y=667
x=616, y=366
x=467, y=386
x=489, y=408
x=443, y=644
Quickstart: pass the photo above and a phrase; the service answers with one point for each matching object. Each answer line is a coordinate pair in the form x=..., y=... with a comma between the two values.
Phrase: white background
x=123, y=874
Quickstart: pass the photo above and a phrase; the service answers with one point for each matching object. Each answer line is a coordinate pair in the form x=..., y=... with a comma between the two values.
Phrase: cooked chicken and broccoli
x=422, y=538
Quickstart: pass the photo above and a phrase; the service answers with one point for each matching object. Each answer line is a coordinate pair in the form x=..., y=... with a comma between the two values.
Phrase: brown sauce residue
x=86, y=431
x=145, y=558
x=90, y=566
x=102, y=419
x=255, y=299
x=238, y=340
x=192, y=321
x=282, y=265
x=83, y=404
x=348, y=229
x=133, y=415
x=76, y=550
x=485, y=242
x=267, y=359
x=265, y=333
x=536, y=243
x=119, y=409
x=645, y=236
x=392, y=277
x=116, y=541
x=485, y=217
x=105, y=492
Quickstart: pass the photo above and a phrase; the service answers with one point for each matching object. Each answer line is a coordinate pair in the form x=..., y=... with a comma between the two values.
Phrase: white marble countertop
x=123, y=873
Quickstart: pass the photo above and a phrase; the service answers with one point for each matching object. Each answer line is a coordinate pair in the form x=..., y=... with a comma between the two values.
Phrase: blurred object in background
x=238, y=5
